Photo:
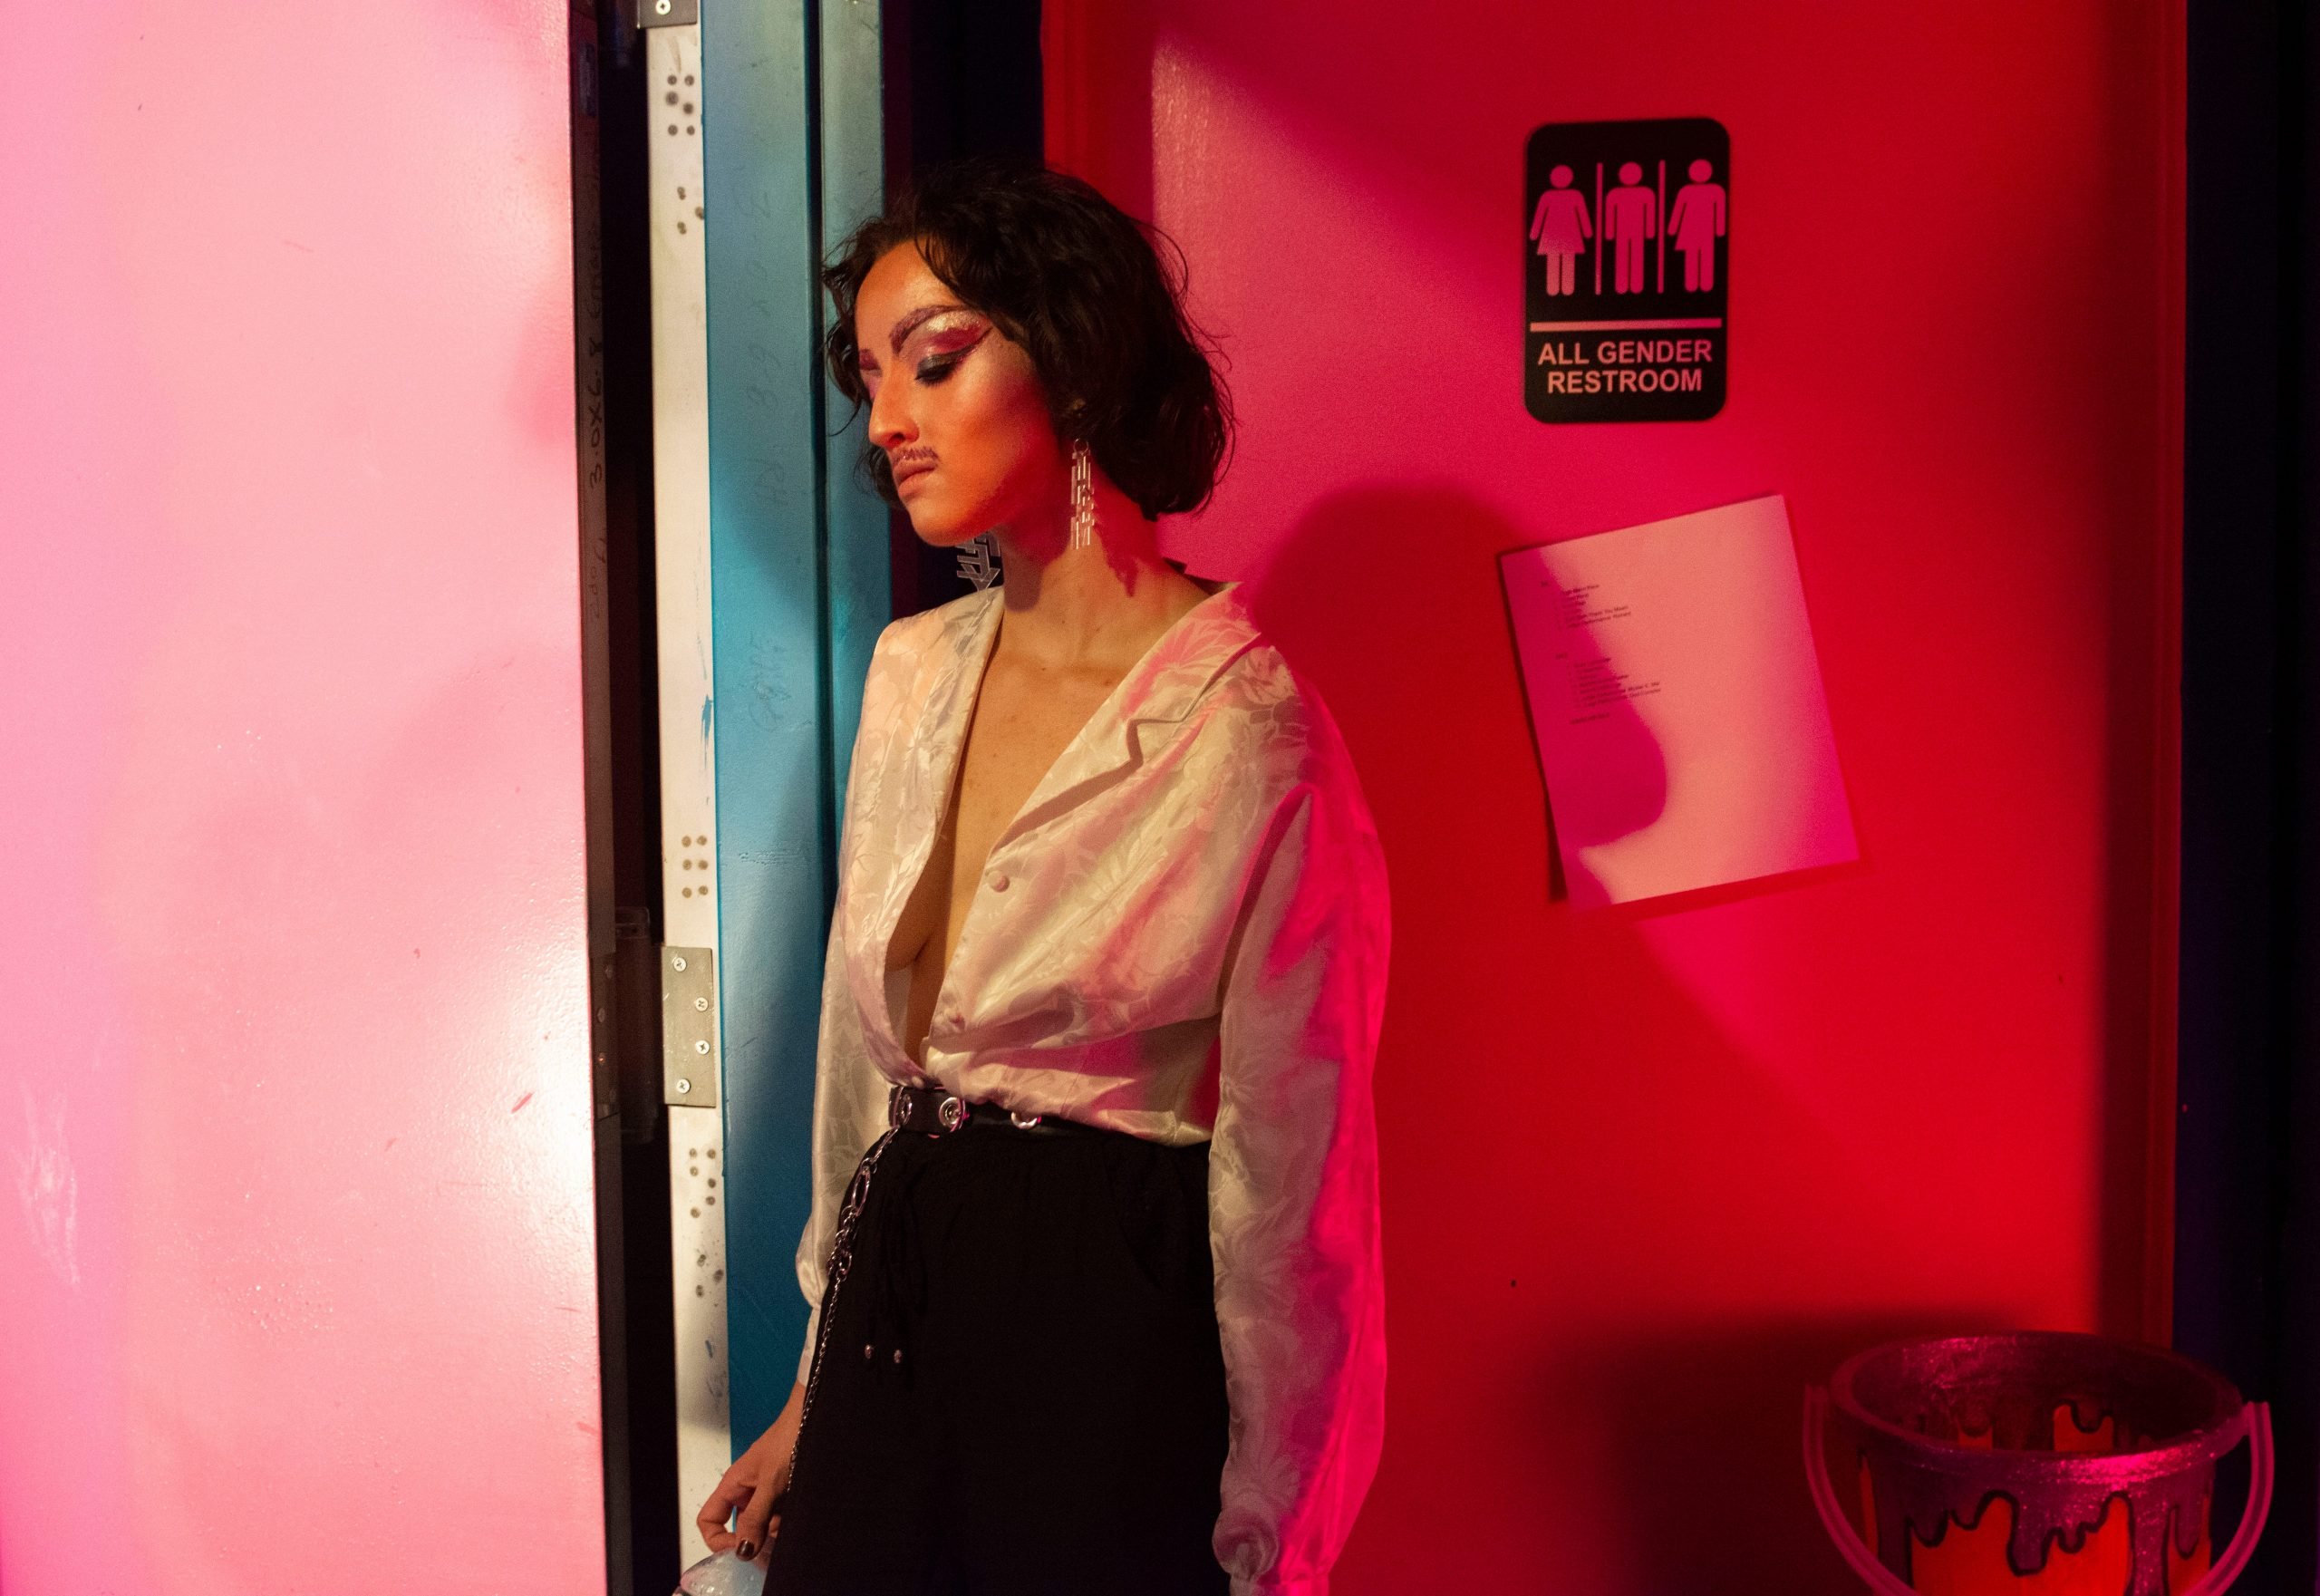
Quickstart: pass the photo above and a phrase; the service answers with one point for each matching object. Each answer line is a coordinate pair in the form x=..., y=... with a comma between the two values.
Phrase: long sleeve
x=849, y=1113
x=849, y=1089
x=1294, y=1187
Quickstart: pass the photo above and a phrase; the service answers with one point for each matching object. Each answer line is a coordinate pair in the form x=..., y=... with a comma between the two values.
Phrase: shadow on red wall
x=1703, y=1177
x=1649, y=1169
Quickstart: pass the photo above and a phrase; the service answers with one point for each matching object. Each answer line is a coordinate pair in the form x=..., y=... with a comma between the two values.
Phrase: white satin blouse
x=1183, y=935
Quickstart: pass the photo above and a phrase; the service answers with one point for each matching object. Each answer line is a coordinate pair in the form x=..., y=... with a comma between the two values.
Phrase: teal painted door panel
x=798, y=594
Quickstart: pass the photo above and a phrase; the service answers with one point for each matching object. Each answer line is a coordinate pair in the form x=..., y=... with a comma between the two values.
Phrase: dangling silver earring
x=1083, y=496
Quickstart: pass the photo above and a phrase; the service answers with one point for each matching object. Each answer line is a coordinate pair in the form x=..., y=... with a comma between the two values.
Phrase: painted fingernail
x=746, y=1550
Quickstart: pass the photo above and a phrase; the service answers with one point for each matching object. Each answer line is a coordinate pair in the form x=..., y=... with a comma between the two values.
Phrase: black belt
x=922, y=1110
x=930, y=1110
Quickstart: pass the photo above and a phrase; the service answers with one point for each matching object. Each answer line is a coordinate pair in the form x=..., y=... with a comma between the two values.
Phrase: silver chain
x=857, y=1195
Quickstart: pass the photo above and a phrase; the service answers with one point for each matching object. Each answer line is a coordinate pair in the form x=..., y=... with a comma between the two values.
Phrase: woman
x=1093, y=1246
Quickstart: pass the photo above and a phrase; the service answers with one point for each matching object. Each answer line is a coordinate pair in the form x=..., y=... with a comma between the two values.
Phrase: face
x=954, y=402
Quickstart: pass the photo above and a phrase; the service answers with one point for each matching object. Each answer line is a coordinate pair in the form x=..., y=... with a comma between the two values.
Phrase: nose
x=890, y=425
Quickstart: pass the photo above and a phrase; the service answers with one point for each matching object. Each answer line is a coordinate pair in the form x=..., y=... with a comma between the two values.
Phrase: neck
x=1067, y=605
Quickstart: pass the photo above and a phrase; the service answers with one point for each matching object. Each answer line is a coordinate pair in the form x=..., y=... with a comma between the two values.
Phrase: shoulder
x=911, y=636
x=1273, y=722
x=1271, y=742
x=906, y=663
x=906, y=649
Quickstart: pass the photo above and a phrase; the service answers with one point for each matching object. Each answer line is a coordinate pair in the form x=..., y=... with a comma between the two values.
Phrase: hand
x=751, y=1487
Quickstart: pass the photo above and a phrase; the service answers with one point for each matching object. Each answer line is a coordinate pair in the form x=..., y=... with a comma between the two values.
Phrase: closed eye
x=950, y=351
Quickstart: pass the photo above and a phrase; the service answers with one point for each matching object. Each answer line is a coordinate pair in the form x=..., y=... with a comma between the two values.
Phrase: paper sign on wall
x=1624, y=267
x=1676, y=700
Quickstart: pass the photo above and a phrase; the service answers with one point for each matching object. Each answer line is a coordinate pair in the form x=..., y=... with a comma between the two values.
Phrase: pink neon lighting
x=296, y=1226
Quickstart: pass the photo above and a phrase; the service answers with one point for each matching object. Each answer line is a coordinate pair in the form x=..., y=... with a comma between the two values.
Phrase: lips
x=904, y=470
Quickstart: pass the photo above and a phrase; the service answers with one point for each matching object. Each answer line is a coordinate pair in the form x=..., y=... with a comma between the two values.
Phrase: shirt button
x=999, y=882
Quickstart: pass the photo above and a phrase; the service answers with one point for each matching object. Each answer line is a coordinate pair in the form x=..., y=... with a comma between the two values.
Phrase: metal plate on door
x=688, y=1055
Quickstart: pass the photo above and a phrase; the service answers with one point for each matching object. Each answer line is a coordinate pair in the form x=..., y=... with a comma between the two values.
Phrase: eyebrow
x=910, y=323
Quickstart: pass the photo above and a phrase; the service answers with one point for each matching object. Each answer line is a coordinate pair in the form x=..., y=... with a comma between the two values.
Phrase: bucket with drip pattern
x=2031, y=1464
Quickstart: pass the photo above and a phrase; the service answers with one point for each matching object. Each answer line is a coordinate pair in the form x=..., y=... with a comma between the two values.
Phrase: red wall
x=1648, y=1171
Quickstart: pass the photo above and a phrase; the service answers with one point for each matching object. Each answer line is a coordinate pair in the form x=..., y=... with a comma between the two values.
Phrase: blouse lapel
x=927, y=731
x=1144, y=711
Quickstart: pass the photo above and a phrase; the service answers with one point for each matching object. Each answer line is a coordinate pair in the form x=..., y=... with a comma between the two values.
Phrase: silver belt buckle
x=949, y=1108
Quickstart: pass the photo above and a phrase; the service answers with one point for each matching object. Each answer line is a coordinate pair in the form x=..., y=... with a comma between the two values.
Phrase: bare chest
x=1024, y=718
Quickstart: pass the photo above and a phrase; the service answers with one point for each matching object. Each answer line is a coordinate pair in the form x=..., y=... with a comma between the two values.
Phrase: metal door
x=772, y=586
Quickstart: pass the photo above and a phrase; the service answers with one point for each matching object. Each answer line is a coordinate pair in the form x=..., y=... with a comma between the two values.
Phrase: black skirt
x=1020, y=1391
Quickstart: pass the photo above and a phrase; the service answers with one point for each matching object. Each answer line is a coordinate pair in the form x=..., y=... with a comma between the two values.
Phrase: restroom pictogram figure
x=1562, y=227
x=1630, y=216
x=1695, y=222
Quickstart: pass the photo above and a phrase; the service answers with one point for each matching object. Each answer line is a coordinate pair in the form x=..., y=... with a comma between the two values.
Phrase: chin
x=944, y=531
x=940, y=525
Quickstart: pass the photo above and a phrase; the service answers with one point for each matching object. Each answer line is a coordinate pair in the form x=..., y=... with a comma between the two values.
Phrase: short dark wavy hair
x=1092, y=295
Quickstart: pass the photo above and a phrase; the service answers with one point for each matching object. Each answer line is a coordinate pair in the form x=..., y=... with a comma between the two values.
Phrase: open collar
x=1142, y=713
x=1131, y=722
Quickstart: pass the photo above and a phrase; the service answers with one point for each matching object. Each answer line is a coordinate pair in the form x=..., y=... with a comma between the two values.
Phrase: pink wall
x=1646, y=1172
x=295, y=1268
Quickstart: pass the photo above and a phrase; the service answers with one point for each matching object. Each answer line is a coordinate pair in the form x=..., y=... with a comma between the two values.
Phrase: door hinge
x=688, y=1057
x=635, y=1024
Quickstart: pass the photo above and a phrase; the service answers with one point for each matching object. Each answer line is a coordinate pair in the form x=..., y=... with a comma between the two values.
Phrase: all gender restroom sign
x=1624, y=270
